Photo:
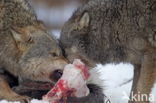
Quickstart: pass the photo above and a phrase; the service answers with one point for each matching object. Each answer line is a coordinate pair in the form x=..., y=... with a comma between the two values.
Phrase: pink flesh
x=84, y=71
x=64, y=87
x=57, y=88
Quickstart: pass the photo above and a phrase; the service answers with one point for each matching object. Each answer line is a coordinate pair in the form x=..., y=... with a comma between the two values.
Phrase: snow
x=33, y=101
x=154, y=93
x=4, y=101
x=114, y=76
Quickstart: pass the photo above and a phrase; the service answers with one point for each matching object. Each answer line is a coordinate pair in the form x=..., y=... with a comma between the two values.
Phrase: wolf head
x=39, y=55
x=27, y=49
x=74, y=38
x=93, y=34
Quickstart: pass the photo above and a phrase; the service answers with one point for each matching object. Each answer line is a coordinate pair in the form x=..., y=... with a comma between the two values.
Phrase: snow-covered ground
x=115, y=78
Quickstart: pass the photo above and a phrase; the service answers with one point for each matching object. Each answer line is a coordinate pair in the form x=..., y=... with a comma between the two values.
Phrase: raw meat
x=72, y=83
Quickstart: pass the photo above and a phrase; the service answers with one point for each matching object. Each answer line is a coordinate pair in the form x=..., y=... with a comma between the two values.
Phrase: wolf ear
x=84, y=21
x=20, y=35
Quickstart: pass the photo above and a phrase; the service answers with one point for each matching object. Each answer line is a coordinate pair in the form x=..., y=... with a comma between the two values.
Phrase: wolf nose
x=56, y=75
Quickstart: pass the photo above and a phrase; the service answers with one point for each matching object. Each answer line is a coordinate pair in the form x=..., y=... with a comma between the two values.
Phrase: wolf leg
x=6, y=92
x=145, y=82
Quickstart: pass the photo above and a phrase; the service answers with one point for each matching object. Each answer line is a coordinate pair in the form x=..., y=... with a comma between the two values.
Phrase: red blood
x=84, y=71
x=60, y=87
x=52, y=93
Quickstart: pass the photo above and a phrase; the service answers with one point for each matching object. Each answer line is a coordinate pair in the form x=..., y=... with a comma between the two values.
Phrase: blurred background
x=54, y=13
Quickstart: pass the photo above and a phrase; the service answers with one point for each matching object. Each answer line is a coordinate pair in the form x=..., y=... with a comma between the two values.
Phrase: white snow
x=154, y=93
x=4, y=101
x=33, y=101
x=114, y=77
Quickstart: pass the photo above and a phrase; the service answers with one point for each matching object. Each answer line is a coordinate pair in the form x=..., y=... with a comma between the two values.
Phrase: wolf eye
x=30, y=40
x=54, y=54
